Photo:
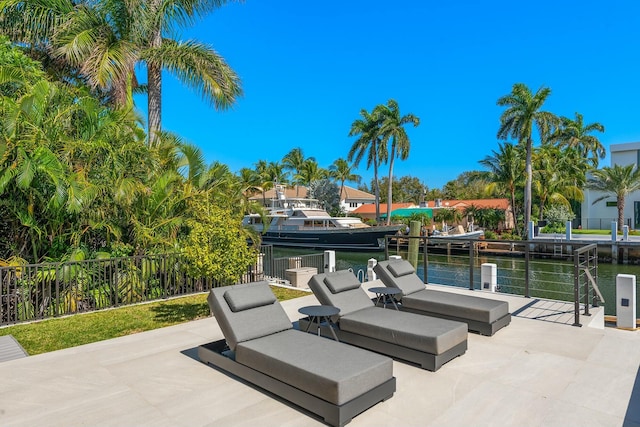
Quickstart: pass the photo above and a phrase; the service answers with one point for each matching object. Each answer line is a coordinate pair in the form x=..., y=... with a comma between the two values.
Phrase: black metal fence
x=597, y=223
x=39, y=291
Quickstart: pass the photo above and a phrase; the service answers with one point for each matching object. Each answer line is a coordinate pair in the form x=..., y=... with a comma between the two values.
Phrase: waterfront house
x=350, y=199
x=601, y=214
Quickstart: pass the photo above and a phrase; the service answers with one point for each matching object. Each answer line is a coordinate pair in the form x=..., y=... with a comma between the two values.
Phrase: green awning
x=407, y=212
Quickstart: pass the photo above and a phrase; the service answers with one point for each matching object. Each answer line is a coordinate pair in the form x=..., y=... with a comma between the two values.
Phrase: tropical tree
x=310, y=172
x=575, y=134
x=507, y=168
x=342, y=171
x=468, y=185
x=550, y=182
x=104, y=41
x=522, y=115
x=294, y=162
x=369, y=143
x=392, y=131
x=616, y=181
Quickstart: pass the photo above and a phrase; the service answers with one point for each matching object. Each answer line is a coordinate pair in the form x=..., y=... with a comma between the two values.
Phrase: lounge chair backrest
x=248, y=311
x=340, y=289
x=399, y=274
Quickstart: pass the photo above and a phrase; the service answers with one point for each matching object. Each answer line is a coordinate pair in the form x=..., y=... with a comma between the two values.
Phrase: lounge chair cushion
x=424, y=333
x=347, y=301
x=246, y=298
x=306, y=362
x=251, y=323
x=401, y=268
x=407, y=283
x=462, y=306
x=340, y=281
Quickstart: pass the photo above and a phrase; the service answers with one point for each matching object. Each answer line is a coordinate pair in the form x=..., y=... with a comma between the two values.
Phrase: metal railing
x=39, y=291
x=551, y=270
x=597, y=223
x=585, y=273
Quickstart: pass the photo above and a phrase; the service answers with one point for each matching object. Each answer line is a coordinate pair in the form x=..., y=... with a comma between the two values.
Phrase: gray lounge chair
x=331, y=379
x=483, y=315
x=428, y=341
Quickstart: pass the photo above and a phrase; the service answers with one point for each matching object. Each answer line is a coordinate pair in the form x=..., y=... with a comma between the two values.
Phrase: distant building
x=368, y=211
x=601, y=214
x=350, y=199
x=405, y=209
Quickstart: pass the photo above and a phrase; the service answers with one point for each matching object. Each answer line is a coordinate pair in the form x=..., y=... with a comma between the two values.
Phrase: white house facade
x=601, y=214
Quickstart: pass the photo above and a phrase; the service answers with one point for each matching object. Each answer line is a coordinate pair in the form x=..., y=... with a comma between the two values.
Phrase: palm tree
x=523, y=113
x=506, y=167
x=575, y=134
x=392, y=130
x=618, y=181
x=551, y=183
x=105, y=41
x=342, y=171
x=310, y=172
x=369, y=142
x=294, y=161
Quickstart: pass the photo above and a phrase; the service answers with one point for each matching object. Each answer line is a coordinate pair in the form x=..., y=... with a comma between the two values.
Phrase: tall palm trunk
x=154, y=82
x=341, y=191
x=513, y=208
x=390, y=185
x=527, y=190
x=377, y=189
x=621, y=203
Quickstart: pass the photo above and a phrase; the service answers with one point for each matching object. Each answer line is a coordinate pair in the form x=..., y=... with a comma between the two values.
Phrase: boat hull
x=360, y=239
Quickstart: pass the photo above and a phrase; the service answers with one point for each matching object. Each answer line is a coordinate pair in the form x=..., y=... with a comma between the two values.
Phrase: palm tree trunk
x=154, y=75
x=389, y=188
x=527, y=191
x=377, y=189
x=513, y=208
x=621, y=203
x=154, y=83
x=340, y=197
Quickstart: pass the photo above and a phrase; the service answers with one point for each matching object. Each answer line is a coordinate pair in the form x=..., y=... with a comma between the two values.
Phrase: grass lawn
x=56, y=334
x=604, y=232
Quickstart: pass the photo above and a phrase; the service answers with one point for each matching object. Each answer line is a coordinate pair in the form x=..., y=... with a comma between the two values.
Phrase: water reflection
x=548, y=278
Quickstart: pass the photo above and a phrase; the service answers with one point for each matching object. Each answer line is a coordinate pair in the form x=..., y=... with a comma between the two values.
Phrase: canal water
x=548, y=278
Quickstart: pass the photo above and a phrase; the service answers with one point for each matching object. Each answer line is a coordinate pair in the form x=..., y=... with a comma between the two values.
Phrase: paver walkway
x=532, y=373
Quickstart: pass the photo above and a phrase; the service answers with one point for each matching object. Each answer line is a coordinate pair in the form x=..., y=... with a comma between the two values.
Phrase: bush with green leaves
x=328, y=193
x=216, y=244
x=557, y=217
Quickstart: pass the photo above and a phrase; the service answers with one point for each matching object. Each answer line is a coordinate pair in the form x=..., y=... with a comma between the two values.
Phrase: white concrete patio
x=532, y=373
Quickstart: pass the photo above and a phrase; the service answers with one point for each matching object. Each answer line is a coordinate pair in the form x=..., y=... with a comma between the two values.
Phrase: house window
x=612, y=204
x=353, y=204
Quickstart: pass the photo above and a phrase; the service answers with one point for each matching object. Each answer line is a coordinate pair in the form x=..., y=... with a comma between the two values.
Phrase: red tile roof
x=478, y=203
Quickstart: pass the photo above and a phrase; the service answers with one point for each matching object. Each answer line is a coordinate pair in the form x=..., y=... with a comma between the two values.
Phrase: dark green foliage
x=328, y=193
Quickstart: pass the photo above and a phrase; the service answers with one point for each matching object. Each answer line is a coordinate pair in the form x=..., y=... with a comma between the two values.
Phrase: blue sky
x=308, y=68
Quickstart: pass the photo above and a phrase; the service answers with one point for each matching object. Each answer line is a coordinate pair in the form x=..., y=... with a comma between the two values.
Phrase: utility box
x=299, y=277
x=489, y=277
x=626, y=301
